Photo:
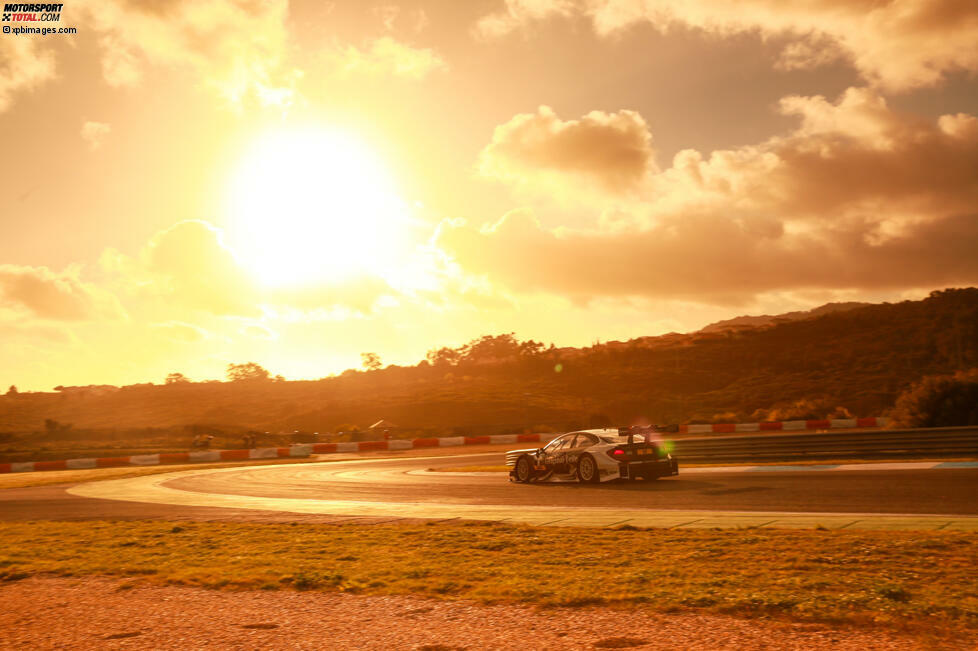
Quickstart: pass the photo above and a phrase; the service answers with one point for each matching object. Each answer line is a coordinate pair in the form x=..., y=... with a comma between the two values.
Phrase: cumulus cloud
x=898, y=44
x=189, y=266
x=94, y=133
x=237, y=46
x=24, y=65
x=386, y=56
x=612, y=149
x=857, y=196
x=43, y=293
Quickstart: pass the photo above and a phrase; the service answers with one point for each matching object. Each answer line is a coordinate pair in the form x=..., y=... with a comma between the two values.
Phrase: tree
x=177, y=378
x=52, y=426
x=443, y=356
x=248, y=371
x=939, y=401
x=371, y=361
x=12, y=391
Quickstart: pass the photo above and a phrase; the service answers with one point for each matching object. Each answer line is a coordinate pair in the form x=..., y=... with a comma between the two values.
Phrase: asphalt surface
x=943, y=491
x=946, y=491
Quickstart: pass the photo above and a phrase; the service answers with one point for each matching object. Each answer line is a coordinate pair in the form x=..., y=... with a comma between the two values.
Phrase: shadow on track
x=659, y=486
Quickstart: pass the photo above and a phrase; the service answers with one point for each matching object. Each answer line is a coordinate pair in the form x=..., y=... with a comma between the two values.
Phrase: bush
x=803, y=409
x=939, y=401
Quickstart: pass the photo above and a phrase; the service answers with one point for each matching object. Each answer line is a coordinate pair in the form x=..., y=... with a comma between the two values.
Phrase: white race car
x=596, y=455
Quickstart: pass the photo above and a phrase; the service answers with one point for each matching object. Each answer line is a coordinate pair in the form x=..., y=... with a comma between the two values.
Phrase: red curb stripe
x=771, y=425
x=477, y=440
x=111, y=462
x=425, y=443
x=50, y=465
x=817, y=424
x=322, y=448
x=283, y=452
x=724, y=427
x=373, y=445
x=235, y=454
x=5, y=467
x=866, y=422
x=174, y=457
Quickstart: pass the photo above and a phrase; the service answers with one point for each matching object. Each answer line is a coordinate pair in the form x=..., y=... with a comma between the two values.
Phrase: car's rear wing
x=648, y=432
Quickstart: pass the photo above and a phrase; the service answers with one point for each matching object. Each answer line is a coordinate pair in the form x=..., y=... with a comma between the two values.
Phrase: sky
x=189, y=184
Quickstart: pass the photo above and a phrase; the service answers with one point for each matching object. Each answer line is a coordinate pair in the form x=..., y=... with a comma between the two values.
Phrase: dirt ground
x=96, y=613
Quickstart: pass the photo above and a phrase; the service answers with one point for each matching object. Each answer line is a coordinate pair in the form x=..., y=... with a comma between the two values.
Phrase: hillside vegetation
x=855, y=361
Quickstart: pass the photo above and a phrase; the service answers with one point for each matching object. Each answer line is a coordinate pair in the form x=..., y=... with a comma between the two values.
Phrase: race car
x=596, y=455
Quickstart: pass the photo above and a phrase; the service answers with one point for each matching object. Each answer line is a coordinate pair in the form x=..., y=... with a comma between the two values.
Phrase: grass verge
x=915, y=581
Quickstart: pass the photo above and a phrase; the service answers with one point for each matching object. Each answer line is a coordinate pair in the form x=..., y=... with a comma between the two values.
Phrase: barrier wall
x=784, y=425
x=295, y=451
x=302, y=451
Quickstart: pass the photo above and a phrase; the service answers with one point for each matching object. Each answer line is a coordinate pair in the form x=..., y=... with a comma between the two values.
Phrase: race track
x=874, y=496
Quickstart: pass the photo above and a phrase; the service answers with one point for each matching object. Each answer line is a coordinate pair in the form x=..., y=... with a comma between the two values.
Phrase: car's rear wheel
x=587, y=469
x=524, y=469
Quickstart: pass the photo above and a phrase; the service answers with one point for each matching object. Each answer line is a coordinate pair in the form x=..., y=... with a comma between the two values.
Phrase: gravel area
x=97, y=613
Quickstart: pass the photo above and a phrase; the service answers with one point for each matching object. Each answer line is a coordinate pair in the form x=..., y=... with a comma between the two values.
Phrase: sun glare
x=313, y=205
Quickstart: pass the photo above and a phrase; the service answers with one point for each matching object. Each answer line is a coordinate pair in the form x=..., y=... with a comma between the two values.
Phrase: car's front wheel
x=524, y=469
x=587, y=469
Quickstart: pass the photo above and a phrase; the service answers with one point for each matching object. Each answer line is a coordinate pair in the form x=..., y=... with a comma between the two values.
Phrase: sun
x=311, y=205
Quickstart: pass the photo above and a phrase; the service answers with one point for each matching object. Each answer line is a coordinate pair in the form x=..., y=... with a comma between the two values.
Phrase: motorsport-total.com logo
x=31, y=12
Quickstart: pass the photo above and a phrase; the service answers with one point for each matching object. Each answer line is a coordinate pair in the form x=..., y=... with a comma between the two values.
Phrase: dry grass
x=922, y=581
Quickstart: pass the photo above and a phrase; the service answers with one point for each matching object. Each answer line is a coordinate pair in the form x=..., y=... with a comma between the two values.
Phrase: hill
x=742, y=322
x=857, y=359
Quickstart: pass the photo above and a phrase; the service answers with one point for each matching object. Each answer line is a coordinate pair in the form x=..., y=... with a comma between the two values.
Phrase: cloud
x=236, y=46
x=45, y=294
x=386, y=56
x=613, y=150
x=94, y=133
x=23, y=67
x=857, y=196
x=896, y=45
x=393, y=16
x=189, y=266
x=181, y=332
x=516, y=14
x=357, y=292
x=258, y=331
